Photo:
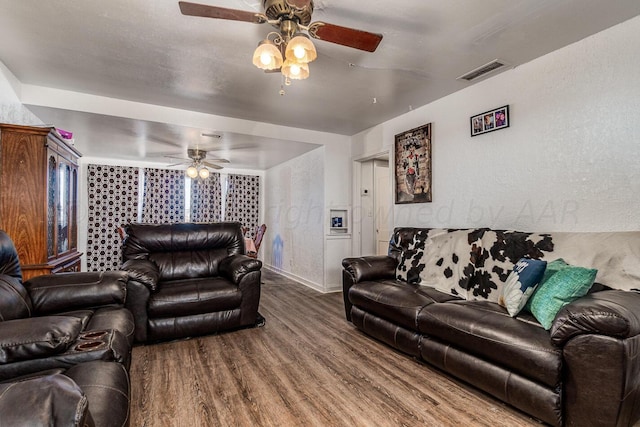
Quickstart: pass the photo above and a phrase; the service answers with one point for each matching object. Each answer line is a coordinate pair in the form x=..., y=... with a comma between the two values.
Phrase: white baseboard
x=315, y=286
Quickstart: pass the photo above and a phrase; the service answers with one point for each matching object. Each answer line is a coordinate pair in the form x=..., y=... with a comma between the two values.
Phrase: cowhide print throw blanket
x=474, y=263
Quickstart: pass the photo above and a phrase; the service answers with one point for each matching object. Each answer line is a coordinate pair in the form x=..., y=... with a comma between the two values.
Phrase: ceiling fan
x=197, y=163
x=288, y=50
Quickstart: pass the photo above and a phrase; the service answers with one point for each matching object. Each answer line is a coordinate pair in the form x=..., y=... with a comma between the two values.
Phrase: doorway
x=375, y=205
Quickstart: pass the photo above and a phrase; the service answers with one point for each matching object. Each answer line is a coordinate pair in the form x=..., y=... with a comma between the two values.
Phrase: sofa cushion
x=559, y=289
x=521, y=283
x=14, y=300
x=185, y=250
x=395, y=301
x=486, y=330
x=35, y=337
x=193, y=296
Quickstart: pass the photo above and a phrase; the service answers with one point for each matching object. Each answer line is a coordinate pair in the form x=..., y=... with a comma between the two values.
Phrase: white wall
x=11, y=109
x=570, y=160
x=294, y=214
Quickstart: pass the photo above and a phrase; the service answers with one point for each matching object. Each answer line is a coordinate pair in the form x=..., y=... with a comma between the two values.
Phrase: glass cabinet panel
x=63, y=208
x=52, y=183
x=74, y=208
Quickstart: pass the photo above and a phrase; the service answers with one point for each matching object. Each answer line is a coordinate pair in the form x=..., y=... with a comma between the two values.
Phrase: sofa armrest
x=355, y=270
x=138, y=295
x=376, y=267
x=143, y=271
x=235, y=267
x=55, y=293
x=614, y=313
x=36, y=337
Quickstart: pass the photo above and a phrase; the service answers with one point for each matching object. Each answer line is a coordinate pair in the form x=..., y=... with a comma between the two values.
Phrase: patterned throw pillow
x=559, y=289
x=521, y=283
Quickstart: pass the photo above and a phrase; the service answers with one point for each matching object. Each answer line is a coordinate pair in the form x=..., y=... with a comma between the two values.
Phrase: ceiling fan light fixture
x=295, y=70
x=291, y=41
x=204, y=173
x=267, y=56
x=192, y=172
x=301, y=49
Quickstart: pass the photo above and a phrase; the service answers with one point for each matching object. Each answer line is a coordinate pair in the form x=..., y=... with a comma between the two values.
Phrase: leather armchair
x=189, y=279
x=56, y=321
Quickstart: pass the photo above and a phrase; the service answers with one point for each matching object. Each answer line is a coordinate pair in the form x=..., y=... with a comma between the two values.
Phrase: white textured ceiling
x=148, y=52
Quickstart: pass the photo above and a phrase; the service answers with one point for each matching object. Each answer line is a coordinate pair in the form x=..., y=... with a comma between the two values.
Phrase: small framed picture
x=489, y=121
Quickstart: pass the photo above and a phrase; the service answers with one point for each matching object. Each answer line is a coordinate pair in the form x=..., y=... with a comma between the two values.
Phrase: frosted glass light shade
x=295, y=70
x=267, y=56
x=301, y=49
x=204, y=173
x=192, y=172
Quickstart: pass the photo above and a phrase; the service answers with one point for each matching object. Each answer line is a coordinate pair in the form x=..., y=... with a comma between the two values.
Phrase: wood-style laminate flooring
x=307, y=366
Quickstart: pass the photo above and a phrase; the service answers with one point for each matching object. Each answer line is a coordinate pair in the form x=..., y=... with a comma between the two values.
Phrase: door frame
x=356, y=168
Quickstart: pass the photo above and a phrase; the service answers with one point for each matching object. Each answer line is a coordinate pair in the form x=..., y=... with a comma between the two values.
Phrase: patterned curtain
x=113, y=202
x=243, y=201
x=206, y=199
x=163, y=196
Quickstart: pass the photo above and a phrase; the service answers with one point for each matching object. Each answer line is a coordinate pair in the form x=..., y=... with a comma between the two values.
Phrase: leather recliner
x=60, y=320
x=189, y=279
x=66, y=338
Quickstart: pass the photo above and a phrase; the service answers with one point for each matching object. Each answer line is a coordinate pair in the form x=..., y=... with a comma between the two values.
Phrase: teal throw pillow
x=552, y=268
x=521, y=283
x=558, y=289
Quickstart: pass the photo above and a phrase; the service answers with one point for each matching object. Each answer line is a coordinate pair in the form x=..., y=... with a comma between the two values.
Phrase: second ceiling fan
x=289, y=50
x=197, y=163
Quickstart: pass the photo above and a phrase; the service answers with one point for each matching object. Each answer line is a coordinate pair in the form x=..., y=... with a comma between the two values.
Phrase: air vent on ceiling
x=211, y=135
x=491, y=67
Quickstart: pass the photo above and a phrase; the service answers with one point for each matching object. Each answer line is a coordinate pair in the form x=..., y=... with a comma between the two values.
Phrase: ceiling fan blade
x=178, y=164
x=212, y=165
x=344, y=36
x=206, y=11
x=219, y=160
x=178, y=158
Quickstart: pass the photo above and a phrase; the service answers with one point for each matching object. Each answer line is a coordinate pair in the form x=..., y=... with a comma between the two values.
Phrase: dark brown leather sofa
x=584, y=371
x=65, y=346
x=189, y=279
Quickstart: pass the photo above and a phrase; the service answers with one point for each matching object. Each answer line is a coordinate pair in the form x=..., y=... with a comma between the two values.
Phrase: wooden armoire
x=39, y=198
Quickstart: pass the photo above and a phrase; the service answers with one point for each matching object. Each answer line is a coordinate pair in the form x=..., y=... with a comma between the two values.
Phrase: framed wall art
x=413, y=165
x=489, y=121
